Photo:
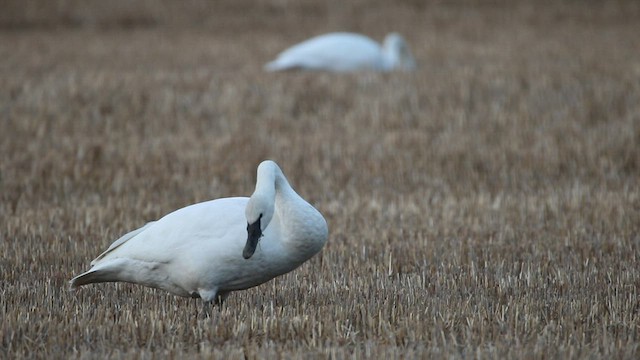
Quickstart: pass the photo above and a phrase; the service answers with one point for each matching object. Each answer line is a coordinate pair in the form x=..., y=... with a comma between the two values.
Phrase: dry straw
x=484, y=206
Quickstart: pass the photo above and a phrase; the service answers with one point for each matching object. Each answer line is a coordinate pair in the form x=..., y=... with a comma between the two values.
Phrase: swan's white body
x=345, y=52
x=197, y=251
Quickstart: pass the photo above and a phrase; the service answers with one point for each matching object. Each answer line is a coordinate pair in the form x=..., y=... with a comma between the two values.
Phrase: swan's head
x=398, y=52
x=259, y=213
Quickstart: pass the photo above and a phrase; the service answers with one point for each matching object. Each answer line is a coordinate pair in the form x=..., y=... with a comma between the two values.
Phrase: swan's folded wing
x=121, y=240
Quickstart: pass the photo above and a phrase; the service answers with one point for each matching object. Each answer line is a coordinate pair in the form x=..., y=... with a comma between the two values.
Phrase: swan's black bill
x=254, y=233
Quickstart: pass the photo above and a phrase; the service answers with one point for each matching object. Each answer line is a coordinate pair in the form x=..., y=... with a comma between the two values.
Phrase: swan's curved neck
x=273, y=192
x=300, y=230
x=391, y=56
x=271, y=181
x=265, y=183
x=396, y=54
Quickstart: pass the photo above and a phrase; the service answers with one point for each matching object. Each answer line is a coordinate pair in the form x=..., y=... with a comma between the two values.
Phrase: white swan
x=209, y=249
x=344, y=52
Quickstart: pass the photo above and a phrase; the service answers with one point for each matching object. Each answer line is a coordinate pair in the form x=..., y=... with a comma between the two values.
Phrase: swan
x=345, y=52
x=210, y=249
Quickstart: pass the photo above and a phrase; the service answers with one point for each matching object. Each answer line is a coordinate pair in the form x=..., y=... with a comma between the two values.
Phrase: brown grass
x=485, y=206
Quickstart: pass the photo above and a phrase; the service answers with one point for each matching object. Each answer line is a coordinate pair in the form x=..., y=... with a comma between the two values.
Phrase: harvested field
x=484, y=206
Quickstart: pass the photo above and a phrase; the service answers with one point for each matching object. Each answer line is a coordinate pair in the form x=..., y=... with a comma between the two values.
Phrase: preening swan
x=209, y=249
x=344, y=52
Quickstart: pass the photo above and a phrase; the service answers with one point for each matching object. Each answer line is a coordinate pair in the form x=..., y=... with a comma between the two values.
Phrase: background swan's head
x=398, y=52
x=259, y=212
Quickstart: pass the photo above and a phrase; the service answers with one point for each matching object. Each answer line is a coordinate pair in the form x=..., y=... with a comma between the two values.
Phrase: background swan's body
x=197, y=251
x=344, y=52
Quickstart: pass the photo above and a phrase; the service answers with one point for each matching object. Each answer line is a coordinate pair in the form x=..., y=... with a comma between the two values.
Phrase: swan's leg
x=195, y=307
x=206, y=309
x=222, y=296
x=208, y=297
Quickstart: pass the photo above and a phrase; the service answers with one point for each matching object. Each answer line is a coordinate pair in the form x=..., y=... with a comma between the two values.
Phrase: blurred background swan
x=346, y=52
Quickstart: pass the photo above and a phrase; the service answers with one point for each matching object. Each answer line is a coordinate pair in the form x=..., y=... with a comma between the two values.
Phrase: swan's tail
x=281, y=64
x=273, y=66
x=92, y=276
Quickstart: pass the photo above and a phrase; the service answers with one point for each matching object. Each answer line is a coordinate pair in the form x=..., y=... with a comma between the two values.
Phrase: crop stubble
x=487, y=205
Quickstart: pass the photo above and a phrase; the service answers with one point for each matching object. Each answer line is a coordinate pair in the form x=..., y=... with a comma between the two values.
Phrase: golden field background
x=484, y=206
